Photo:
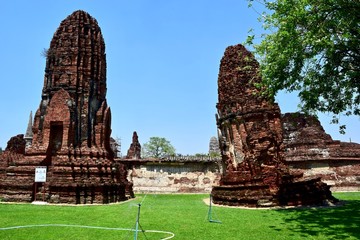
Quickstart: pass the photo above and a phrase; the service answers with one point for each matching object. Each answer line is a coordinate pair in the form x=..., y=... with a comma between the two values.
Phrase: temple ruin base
x=292, y=192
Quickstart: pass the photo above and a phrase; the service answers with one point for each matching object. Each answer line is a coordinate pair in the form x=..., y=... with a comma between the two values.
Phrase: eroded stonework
x=134, y=151
x=251, y=141
x=72, y=127
x=310, y=150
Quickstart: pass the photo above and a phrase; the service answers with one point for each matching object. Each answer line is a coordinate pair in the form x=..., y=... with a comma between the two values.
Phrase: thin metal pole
x=137, y=223
x=43, y=193
x=210, y=208
x=210, y=213
x=35, y=190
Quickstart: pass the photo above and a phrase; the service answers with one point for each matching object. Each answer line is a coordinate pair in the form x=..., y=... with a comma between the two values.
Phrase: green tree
x=312, y=47
x=158, y=147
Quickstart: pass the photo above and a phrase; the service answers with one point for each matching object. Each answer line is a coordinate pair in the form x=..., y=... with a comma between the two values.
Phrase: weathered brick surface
x=16, y=144
x=72, y=127
x=250, y=132
x=310, y=150
x=134, y=151
x=166, y=176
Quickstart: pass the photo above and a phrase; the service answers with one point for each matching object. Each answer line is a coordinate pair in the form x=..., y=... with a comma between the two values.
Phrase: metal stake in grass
x=137, y=224
x=210, y=213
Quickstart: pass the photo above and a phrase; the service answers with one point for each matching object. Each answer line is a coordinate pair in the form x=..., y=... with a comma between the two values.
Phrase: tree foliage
x=158, y=147
x=312, y=47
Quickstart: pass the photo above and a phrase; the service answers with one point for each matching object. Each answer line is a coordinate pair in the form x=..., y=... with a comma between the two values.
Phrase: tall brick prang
x=74, y=92
x=251, y=142
x=72, y=126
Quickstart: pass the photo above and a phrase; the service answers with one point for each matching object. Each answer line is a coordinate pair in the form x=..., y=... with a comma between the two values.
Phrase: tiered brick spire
x=74, y=89
x=72, y=127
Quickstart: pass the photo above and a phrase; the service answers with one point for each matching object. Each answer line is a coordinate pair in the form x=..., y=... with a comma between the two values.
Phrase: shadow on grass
x=332, y=223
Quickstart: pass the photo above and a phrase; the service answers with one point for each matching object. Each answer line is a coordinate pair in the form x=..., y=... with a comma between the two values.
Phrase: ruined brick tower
x=251, y=142
x=72, y=127
x=73, y=111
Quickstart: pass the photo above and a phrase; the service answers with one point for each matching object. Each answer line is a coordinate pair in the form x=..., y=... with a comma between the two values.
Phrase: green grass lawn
x=185, y=216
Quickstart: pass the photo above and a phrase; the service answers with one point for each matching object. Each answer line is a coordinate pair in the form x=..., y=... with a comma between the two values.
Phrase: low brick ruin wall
x=341, y=175
x=309, y=149
x=199, y=177
x=174, y=177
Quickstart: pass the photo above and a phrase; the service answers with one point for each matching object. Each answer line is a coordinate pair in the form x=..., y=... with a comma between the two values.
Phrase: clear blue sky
x=162, y=64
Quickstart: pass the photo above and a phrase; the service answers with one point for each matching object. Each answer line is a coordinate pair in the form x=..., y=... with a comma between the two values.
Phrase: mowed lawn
x=183, y=215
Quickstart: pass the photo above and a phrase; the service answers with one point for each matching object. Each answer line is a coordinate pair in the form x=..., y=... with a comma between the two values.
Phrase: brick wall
x=171, y=177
